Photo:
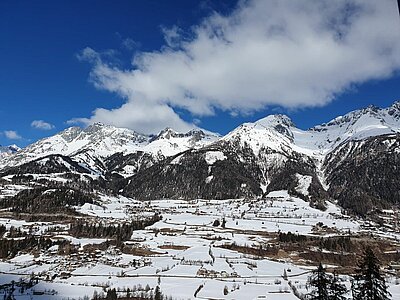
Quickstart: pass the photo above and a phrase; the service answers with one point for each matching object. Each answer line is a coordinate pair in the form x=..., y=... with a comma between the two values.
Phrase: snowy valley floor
x=189, y=255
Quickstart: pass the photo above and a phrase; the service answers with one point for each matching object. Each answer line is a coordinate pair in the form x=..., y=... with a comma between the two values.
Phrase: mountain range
x=352, y=160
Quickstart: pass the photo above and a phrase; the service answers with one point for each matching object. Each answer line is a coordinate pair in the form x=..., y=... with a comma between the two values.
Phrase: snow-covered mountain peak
x=169, y=142
x=396, y=104
x=166, y=133
x=368, y=115
x=273, y=132
x=276, y=120
x=8, y=150
x=100, y=127
x=70, y=133
x=75, y=138
x=394, y=110
x=278, y=132
x=195, y=134
x=96, y=127
x=103, y=140
x=280, y=123
x=356, y=125
x=99, y=132
x=13, y=148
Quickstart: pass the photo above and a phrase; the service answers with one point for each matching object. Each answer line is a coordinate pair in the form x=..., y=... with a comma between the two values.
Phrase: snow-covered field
x=184, y=253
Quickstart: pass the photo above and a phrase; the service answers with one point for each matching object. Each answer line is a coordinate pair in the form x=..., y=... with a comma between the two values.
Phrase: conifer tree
x=157, y=294
x=319, y=282
x=111, y=294
x=337, y=290
x=284, y=276
x=369, y=284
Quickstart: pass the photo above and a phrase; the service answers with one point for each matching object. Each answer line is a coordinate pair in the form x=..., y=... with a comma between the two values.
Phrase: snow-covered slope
x=278, y=132
x=357, y=125
x=273, y=132
x=169, y=142
x=98, y=141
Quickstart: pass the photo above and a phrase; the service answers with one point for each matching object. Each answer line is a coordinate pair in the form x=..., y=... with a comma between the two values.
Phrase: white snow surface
x=213, y=156
x=304, y=182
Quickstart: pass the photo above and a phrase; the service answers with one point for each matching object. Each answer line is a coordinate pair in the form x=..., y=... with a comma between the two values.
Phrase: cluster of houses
x=209, y=273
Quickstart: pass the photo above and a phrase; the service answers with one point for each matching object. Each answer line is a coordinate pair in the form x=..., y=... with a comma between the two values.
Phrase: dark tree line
x=47, y=200
x=146, y=294
x=292, y=238
x=16, y=232
x=3, y=230
x=10, y=247
x=335, y=243
x=340, y=243
x=123, y=232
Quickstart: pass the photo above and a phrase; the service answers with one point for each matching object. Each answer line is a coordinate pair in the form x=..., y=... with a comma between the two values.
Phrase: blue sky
x=62, y=60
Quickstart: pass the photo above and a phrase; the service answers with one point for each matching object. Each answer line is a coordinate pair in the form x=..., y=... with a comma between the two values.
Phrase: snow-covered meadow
x=187, y=253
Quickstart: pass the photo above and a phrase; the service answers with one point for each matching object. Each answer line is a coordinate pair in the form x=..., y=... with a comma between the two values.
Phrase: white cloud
x=130, y=44
x=40, y=124
x=140, y=116
x=12, y=135
x=292, y=54
x=172, y=36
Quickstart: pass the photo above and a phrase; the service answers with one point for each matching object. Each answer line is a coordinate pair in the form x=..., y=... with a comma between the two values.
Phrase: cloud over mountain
x=292, y=54
x=40, y=124
x=12, y=135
